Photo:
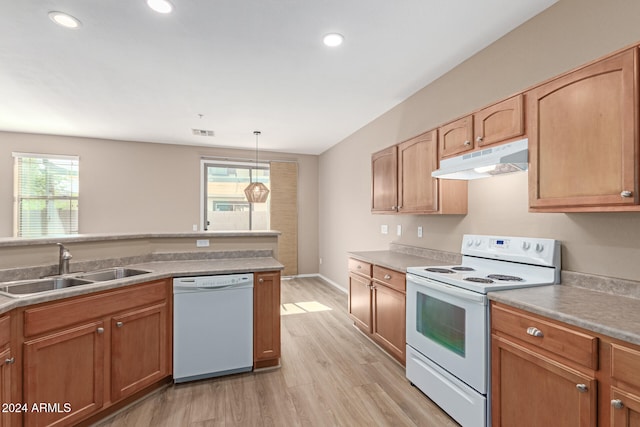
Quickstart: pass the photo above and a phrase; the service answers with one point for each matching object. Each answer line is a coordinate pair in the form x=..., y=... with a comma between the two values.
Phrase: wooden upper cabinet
x=582, y=138
x=384, y=170
x=492, y=125
x=417, y=158
x=456, y=137
x=499, y=122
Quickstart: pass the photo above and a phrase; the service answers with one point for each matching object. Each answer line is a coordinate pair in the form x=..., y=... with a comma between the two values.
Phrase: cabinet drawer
x=391, y=278
x=360, y=267
x=539, y=333
x=69, y=312
x=625, y=364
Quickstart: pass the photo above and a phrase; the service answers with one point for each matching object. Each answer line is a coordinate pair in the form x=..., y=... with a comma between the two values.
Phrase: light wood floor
x=331, y=375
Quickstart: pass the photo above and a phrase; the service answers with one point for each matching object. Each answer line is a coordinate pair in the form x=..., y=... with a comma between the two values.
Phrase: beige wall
x=141, y=187
x=567, y=35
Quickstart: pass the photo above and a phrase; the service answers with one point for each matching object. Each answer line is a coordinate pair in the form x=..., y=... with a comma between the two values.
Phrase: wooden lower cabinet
x=266, y=319
x=389, y=320
x=65, y=369
x=105, y=347
x=139, y=350
x=560, y=375
x=8, y=373
x=377, y=305
x=530, y=389
x=360, y=302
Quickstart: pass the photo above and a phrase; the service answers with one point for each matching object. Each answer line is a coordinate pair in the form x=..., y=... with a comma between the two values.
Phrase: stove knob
x=539, y=247
x=526, y=246
x=469, y=242
x=478, y=242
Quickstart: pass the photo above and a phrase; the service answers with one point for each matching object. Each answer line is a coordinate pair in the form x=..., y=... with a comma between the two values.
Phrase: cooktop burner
x=463, y=268
x=478, y=280
x=505, y=277
x=439, y=270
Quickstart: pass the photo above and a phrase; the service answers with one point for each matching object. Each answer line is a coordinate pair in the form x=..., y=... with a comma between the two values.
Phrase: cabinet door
x=64, y=367
x=384, y=190
x=582, y=142
x=529, y=389
x=266, y=319
x=456, y=137
x=499, y=122
x=389, y=320
x=6, y=363
x=625, y=408
x=360, y=299
x=139, y=346
x=417, y=158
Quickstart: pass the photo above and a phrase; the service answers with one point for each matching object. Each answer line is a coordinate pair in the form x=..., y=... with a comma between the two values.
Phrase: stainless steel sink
x=26, y=287
x=111, y=274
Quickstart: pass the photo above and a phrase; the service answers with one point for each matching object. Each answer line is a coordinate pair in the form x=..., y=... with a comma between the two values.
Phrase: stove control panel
x=529, y=250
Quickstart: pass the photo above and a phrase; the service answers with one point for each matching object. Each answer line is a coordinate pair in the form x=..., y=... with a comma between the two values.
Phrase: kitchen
x=567, y=35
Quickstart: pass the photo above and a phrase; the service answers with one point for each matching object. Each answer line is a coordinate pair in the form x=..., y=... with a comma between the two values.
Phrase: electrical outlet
x=384, y=229
x=420, y=231
x=204, y=243
x=399, y=230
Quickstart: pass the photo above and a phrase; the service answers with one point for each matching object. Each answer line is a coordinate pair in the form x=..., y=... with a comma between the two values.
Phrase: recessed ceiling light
x=333, y=39
x=160, y=6
x=64, y=19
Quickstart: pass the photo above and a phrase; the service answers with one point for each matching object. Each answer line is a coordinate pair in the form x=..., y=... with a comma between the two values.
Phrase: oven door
x=449, y=325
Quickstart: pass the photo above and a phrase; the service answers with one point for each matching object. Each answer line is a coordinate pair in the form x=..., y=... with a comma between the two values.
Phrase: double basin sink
x=29, y=287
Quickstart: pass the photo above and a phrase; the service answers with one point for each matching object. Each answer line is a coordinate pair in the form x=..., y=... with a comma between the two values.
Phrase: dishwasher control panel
x=208, y=282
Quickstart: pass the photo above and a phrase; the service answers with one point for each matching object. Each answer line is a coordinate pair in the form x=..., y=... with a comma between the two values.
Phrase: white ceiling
x=129, y=73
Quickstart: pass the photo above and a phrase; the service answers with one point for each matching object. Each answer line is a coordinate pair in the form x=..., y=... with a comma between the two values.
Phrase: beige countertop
x=612, y=315
x=395, y=260
x=158, y=270
x=606, y=313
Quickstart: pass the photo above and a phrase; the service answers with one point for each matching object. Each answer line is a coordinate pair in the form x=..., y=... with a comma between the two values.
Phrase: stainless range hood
x=505, y=158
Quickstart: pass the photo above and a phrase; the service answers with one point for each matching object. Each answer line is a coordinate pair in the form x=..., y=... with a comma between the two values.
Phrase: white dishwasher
x=212, y=326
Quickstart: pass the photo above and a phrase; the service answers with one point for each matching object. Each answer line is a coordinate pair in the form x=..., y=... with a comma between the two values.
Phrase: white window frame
x=16, y=207
x=224, y=162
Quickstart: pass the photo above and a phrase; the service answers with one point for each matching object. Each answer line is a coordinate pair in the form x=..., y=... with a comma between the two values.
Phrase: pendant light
x=256, y=192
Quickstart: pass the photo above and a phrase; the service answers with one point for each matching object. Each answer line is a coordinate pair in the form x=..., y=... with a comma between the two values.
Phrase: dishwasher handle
x=192, y=288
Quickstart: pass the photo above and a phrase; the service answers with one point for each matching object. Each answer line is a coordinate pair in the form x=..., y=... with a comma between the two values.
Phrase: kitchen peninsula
x=116, y=335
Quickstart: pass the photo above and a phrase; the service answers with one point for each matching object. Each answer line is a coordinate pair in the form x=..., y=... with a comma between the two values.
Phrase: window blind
x=45, y=195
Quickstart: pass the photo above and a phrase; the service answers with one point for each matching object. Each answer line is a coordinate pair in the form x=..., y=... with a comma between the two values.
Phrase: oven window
x=441, y=322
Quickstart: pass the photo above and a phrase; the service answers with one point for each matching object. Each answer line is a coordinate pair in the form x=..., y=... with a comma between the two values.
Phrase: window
x=45, y=195
x=224, y=202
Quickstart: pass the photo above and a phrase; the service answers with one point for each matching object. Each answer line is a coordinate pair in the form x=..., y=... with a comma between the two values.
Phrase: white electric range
x=448, y=327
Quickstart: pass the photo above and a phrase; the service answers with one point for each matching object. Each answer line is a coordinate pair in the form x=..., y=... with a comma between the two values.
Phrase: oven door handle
x=448, y=289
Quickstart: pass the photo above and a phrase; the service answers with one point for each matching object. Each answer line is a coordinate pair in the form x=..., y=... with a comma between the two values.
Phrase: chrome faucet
x=63, y=259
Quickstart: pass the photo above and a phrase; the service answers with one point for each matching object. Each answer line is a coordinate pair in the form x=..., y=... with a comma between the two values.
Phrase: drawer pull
x=100, y=330
x=582, y=388
x=10, y=361
x=534, y=332
x=261, y=280
x=359, y=267
x=119, y=324
x=617, y=403
x=387, y=276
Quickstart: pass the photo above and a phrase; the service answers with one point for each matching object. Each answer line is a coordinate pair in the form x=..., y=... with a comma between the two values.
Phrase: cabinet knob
x=467, y=143
x=479, y=138
x=119, y=324
x=617, y=403
x=100, y=330
x=10, y=361
x=387, y=276
x=626, y=193
x=261, y=280
x=534, y=332
x=582, y=388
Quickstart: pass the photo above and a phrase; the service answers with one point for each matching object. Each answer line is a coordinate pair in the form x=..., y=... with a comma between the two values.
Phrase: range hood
x=505, y=158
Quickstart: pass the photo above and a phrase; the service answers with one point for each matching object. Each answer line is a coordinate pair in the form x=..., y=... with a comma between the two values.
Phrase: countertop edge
x=159, y=270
